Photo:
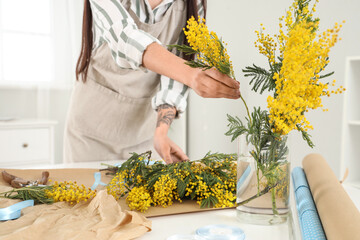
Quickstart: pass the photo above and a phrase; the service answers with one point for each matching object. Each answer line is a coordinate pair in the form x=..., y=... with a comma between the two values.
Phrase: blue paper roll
x=309, y=220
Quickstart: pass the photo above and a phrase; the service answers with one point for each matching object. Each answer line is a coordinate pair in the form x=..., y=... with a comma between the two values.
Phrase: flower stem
x=273, y=200
x=259, y=194
x=247, y=109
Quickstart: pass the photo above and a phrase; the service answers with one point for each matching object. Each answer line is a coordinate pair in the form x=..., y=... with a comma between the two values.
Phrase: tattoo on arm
x=166, y=114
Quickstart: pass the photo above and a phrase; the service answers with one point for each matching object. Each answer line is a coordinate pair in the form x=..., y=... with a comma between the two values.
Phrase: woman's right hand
x=213, y=84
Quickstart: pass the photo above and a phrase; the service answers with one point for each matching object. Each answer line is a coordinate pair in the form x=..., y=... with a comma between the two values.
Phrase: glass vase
x=263, y=181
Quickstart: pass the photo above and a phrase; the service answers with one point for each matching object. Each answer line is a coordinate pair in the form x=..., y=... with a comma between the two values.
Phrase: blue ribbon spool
x=14, y=211
x=221, y=232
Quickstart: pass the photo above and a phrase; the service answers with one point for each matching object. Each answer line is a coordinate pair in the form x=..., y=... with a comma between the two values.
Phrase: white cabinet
x=26, y=142
x=351, y=122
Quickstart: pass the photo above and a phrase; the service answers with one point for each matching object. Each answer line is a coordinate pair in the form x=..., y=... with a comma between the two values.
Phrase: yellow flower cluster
x=266, y=45
x=139, y=199
x=211, y=48
x=305, y=55
x=165, y=191
x=224, y=195
x=117, y=185
x=69, y=192
x=201, y=189
x=222, y=191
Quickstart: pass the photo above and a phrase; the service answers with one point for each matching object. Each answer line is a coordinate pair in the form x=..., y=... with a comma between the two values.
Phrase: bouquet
x=210, y=181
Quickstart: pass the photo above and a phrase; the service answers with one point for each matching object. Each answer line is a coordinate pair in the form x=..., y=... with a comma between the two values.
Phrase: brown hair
x=87, y=36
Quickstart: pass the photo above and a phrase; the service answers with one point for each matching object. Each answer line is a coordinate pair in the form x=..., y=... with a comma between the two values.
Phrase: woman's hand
x=209, y=83
x=213, y=84
x=166, y=148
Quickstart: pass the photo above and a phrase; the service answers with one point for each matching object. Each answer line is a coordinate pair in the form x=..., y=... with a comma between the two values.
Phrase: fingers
x=168, y=150
x=224, y=91
x=215, y=89
x=177, y=154
x=213, y=84
x=162, y=148
x=167, y=158
x=173, y=154
x=223, y=78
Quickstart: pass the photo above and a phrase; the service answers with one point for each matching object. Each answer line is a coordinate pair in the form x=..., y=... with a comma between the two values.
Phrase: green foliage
x=305, y=135
x=183, y=48
x=198, y=64
x=326, y=75
x=237, y=127
x=181, y=187
x=209, y=202
x=261, y=78
x=299, y=15
x=322, y=69
x=269, y=148
x=36, y=193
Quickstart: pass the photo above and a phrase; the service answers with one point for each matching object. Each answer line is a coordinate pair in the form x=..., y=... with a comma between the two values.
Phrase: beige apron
x=111, y=115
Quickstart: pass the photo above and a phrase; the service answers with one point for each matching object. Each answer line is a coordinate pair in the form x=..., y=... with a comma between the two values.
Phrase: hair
x=82, y=64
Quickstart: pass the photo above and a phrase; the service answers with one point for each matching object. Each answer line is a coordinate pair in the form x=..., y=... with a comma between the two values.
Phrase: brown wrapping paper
x=102, y=218
x=339, y=216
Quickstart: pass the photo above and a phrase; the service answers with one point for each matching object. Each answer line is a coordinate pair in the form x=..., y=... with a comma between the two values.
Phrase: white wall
x=50, y=101
x=236, y=21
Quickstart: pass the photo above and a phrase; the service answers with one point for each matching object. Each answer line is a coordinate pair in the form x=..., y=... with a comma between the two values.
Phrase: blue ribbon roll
x=221, y=232
x=14, y=211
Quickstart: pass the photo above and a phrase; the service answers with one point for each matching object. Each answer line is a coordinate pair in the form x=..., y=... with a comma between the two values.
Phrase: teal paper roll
x=309, y=220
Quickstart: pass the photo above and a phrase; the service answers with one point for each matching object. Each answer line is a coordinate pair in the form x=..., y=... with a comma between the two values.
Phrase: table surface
x=166, y=226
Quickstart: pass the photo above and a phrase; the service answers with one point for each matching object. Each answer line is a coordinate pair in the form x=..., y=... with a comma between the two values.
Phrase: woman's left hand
x=167, y=149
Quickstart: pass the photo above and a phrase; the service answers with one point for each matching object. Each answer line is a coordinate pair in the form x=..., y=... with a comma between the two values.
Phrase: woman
x=127, y=75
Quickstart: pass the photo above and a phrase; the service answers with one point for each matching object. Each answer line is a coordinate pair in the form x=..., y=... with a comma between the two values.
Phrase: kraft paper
x=339, y=216
x=102, y=218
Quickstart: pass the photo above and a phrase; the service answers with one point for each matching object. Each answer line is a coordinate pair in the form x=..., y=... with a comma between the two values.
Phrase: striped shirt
x=113, y=24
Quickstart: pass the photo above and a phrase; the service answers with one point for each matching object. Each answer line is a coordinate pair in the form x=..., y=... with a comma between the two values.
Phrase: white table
x=166, y=226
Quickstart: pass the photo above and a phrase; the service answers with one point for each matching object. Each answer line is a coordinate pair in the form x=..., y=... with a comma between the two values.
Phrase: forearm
x=206, y=83
x=167, y=149
x=158, y=59
x=166, y=114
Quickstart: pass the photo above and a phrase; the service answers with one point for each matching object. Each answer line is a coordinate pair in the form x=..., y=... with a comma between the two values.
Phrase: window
x=26, y=41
